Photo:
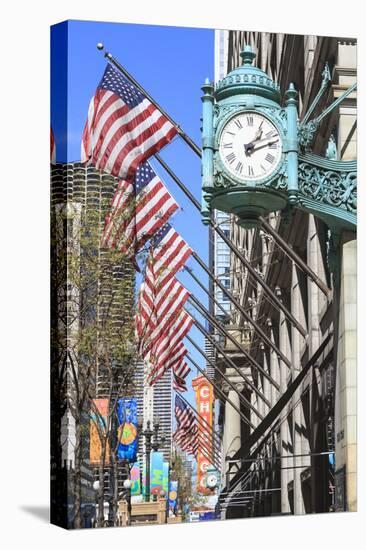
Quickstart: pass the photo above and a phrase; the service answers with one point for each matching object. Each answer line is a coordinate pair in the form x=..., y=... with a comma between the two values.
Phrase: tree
x=186, y=492
x=91, y=335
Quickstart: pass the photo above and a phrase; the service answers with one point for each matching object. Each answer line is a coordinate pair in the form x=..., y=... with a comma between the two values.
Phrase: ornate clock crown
x=247, y=79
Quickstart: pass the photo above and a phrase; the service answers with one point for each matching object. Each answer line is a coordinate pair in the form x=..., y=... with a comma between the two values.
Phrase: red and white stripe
x=53, y=148
x=187, y=439
x=134, y=219
x=176, y=356
x=117, y=139
x=167, y=258
x=157, y=310
x=165, y=346
x=180, y=373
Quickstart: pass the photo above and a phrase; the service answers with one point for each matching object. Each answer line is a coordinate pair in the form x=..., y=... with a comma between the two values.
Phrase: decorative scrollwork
x=220, y=181
x=335, y=188
x=280, y=182
x=306, y=134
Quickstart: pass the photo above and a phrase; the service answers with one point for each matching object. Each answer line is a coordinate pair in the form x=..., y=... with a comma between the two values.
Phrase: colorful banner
x=97, y=418
x=166, y=478
x=173, y=495
x=143, y=479
x=127, y=429
x=156, y=472
x=135, y=478
x=204, y=400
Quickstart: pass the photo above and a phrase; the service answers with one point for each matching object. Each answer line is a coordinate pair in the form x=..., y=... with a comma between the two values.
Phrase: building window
x=222, y=246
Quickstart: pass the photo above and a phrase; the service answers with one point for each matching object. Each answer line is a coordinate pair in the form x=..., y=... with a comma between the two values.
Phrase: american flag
x=169, y=252
x=180, y=373
x=53, y=148
x=156, y=310
x=187, y=440
x=186, y=434
x=123, y=128
x=138, y=210
x=175, y=358
x=164, y=348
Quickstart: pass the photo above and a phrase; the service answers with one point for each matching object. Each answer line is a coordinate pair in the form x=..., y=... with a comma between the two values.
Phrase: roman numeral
x=250, y=171
x=270, y=134
x=239, y=167
x=250, y=120
x=228, y=145
x=269, y=158
x=238, y=123
x=231, y=133
x=230, y=158
x=263, y=168
x=273, y=145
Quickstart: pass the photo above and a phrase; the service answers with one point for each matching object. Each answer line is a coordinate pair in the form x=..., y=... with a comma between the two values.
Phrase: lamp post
x=152, y=442
x=127, y=484
x=100, y=518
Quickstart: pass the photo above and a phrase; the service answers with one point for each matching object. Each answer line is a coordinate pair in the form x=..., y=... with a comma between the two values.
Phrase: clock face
x=211, y=480
x=250, y=146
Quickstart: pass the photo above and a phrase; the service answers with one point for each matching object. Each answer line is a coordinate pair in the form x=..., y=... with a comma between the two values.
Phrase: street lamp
x=100, y=503
x=152, y=442
x=127, y=484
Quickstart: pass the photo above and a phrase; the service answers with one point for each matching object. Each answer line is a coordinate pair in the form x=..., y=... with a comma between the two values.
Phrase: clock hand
x=252, y=146
x=258, y=133
x=256, y=139
x=269, y=142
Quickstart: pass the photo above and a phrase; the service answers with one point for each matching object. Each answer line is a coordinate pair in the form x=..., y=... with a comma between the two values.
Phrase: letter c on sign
x=205, y=392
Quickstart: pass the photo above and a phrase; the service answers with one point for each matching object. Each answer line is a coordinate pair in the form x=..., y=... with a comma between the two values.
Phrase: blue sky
x=172, y=64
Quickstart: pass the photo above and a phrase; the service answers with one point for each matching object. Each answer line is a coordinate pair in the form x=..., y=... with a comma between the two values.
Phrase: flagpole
x=197, y=150
x=190, y=271
x=233, y=248
x=240, y=308
x=203, y=421
x=181, y=133
x=207, y=315
x=229, y=361
x=220, y=392
x=227, y=380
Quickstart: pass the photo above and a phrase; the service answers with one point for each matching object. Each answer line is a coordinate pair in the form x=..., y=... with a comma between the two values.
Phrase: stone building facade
x=306, y=461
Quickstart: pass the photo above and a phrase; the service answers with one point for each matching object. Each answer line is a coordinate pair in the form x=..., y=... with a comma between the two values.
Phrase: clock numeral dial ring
x=250, y=146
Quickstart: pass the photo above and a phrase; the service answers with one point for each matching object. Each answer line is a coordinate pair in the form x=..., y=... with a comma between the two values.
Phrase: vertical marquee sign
x=204, y=400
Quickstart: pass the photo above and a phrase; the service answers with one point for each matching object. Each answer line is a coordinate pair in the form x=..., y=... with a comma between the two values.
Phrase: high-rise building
x=306, y=462
x=92, y=300
x=219, y=252
x=155, y=402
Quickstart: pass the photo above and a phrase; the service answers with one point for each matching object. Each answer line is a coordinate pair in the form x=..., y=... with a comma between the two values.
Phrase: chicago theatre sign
x=204, y=399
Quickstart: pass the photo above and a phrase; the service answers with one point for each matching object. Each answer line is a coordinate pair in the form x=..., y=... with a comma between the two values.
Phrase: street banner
x=156, y=472
x=127, y=429
x=143, y=467
x=173, y=495
x=98, y=422
x=204, y=399
x=166, y=478
x=135, y=478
